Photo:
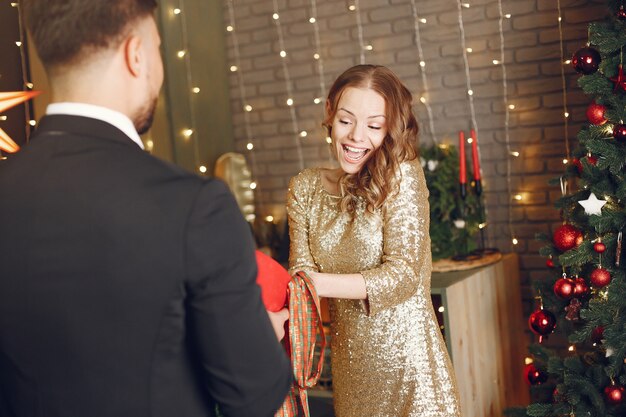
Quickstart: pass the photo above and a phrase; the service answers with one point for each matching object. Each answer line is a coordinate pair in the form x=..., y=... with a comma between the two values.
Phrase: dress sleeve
x=301, y=188
x=406, y=243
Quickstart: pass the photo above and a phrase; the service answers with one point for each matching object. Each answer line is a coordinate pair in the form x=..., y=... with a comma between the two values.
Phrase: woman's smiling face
x=359, y=127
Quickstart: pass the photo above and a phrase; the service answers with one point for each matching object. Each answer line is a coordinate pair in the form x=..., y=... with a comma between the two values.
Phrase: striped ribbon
x=305, y=325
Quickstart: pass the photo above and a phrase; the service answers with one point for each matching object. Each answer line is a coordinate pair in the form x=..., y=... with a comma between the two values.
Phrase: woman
x=361, y=232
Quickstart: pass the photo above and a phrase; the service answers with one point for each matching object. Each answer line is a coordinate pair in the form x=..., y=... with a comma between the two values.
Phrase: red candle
x=462, y=168
x=475, y=159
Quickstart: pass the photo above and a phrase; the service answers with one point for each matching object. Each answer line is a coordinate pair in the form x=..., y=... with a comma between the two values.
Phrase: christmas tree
x=585, y=296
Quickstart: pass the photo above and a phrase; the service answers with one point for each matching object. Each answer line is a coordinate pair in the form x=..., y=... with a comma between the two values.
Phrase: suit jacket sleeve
x=244, y=368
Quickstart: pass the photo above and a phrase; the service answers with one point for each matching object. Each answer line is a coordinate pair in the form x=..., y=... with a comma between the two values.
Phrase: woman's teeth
x=354, y=154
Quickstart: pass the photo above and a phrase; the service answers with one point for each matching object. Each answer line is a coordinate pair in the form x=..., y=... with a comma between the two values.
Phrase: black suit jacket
x=127, y=286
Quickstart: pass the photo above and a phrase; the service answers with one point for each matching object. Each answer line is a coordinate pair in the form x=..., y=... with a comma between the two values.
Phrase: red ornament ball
x=592, y=160
x=619, y=132
x=579, y=165
x=586, y=60
x=595, y=113
x=597, y=334
x=614, y=394
x=550, y=263
x=542, y=322
x=564, y=288
x=581, y=288
x=599, y=247
x=600, y=277
x=534, y=376
x=621, y=13
x=567, y=237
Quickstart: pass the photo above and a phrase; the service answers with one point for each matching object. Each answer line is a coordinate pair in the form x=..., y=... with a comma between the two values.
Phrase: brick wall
x=534, y=84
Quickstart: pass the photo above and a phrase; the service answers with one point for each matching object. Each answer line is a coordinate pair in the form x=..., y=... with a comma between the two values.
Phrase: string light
x=507, y=118
x=469, y=50
x=352, y=7
x=288, y=85
x=202, y=169
x=32, y=123
x=25, y=73
x=362, y=48
x=176, y=11
x=269, y=219
x=329, y=140
x=242, y=96
x=253, y=185
x=303, y=134
x=563, y=82
x=233, y=68
x=195, y=90
x=320, y=61
x=184, y=53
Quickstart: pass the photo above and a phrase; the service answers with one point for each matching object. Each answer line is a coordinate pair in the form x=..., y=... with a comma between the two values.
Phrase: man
x=127, y=286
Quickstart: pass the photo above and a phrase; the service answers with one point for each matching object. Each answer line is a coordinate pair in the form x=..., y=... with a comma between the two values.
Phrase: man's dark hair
x=64, y=30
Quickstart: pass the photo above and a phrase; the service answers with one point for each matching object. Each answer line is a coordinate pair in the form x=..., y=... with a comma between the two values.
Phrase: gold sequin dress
x=388, y=355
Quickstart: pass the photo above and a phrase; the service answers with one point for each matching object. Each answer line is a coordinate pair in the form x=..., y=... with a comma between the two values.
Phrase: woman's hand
x=278, y=319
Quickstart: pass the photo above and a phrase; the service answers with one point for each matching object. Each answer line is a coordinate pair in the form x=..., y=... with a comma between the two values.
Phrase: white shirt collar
x=115, y=118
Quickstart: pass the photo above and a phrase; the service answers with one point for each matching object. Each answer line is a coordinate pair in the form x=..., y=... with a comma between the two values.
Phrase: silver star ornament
x=592, y=205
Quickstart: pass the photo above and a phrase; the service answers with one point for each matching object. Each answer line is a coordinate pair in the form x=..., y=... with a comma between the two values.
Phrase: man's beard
x=145, y=117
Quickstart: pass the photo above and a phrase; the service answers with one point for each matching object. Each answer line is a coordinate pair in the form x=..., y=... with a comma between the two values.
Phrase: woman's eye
x=375, y=127
x=344, y=122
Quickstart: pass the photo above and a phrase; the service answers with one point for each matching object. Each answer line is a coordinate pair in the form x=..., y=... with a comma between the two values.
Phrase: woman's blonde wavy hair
x=378, y=178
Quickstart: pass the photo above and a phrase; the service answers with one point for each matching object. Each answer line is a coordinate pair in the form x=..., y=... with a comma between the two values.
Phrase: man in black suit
x=127, y=285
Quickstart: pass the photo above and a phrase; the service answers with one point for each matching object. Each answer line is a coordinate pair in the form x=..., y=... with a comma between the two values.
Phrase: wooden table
x=484, y=332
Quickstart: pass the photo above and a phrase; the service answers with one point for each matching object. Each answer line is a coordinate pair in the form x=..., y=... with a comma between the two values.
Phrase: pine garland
x=441, y=168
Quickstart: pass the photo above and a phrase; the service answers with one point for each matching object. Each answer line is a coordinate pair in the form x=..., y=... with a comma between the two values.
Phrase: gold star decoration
x=7, y=100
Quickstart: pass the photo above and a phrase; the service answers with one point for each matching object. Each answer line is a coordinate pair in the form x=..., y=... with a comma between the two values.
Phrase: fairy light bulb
x=303, y=134
x=515, y=154
x=423, y=100
x=565, y=161
x=470, y=50
x=422, y=64
x=229, y=28
x=250, y=146
x=233, y=68
x=352, y=7
x=312, y=20
x=176, y=11
x=515, y=241
x=202, y=169
x=470, y=92
x=253, y=185
x=317, y=100
x=290, y=102
x=511, y=106
x=518, y=197
x=283, y=54
x=269, y=219
x=181, y=53
x=248, y=108
x=18, y=43
x=187, y=133
x=316, y=56
x=495, y=62
x=423, y=20
x=369, y=47
x=275, y=16
x=195, y=90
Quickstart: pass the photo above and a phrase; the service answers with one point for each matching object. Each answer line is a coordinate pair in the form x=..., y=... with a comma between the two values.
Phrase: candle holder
x=482, y=250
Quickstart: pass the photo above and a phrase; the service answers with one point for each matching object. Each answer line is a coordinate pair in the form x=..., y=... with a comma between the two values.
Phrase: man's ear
x=133, y=55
